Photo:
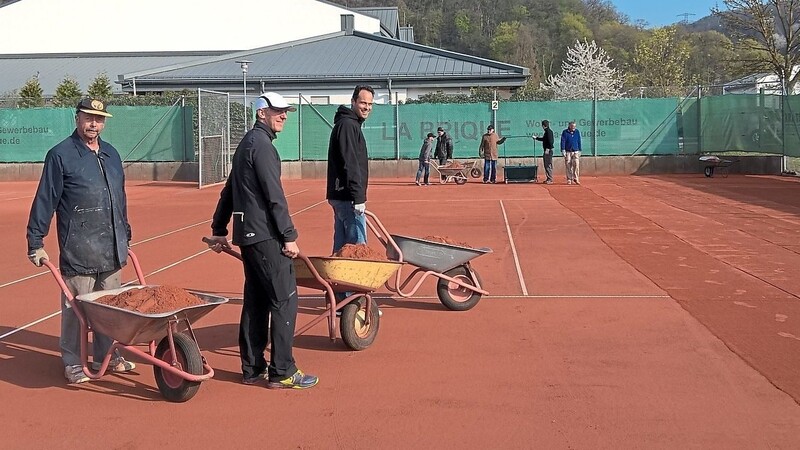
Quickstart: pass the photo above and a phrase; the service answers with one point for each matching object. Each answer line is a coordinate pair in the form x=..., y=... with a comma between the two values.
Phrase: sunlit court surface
x=627, y=312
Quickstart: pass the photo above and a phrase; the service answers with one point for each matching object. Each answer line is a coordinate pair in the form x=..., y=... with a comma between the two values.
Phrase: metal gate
x=214, y=137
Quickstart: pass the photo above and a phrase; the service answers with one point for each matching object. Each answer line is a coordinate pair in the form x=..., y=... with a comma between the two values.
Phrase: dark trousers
x=270, y=308
x=547, y=161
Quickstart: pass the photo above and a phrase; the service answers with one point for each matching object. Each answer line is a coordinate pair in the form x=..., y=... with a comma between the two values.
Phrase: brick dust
x=446, y=240
x=360, y=251
x=152, y=299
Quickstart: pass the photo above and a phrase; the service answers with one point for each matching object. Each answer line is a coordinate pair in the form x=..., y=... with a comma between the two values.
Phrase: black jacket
x=254, y=194
x=444, y=146
x=547, y=139
x=86, y=190
x=348, y=164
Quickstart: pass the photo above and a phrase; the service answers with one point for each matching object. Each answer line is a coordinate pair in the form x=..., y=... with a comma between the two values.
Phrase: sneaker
x=297, y=381
x=258, y=379
x=74, y=374
x=417, y=182
x=116, y=365
x=427, y=184
x=577, y=182
x=569, y=181
x=548, y=182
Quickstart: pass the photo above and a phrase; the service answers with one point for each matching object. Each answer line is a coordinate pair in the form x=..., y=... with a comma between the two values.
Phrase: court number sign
x=495, y=105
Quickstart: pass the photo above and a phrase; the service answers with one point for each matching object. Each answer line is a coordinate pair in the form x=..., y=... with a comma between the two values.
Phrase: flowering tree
x=586, y=74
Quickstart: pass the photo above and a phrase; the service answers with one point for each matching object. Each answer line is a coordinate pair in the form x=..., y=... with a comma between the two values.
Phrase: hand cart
x=457, y=172
x=459, y=285
x=710, y=163
x=178, y=365
x=360, y=321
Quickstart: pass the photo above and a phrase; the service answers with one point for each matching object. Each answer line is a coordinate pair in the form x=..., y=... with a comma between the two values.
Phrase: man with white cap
x=262, y=228
x=83, y=184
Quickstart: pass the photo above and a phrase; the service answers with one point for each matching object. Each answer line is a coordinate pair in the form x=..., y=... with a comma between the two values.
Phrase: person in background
x=263, y=230
x=488, y=150
x=547, y=153
x=444, y=146
x=84, y=185
x=571, y=148
x=425, y=159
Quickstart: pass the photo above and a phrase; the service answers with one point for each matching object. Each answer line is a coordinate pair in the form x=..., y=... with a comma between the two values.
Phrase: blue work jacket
x=86, y=191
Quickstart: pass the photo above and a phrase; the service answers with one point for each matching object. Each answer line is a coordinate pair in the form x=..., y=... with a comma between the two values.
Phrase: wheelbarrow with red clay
x=358, y=278
x=178, y=365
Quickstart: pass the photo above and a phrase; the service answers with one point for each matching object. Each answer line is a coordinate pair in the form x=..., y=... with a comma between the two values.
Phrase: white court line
x=30, y=324
x=149, y=274
x=514, y=251
x=152, y=238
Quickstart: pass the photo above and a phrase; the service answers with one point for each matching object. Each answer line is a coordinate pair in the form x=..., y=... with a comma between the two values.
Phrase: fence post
x=300, y=126
x=594, y=122
x=396, y=129
x=699, y=120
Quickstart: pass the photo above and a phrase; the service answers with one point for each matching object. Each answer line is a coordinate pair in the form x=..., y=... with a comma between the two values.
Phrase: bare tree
x=768, y=31
x=585, y=74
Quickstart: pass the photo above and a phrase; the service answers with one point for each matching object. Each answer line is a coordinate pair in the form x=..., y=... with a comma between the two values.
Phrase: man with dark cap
x=262, y=228
x=83, y=184
x=547, y=150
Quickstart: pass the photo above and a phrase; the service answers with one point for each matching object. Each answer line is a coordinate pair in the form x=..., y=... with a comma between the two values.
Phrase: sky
x=658, y=13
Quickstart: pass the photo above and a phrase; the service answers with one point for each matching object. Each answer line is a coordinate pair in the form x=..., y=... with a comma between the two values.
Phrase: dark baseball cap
x=440, y=129
x=490, y=127
x=431, y=135
x=92, y=106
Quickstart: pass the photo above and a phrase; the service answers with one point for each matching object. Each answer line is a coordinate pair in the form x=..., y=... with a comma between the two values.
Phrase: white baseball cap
x=272, y=100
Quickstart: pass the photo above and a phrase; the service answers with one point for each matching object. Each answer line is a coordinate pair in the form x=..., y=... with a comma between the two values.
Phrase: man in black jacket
x=547, y=146
x=84, y=185
x=444, y=146
x=348, y=170
x=264, y=231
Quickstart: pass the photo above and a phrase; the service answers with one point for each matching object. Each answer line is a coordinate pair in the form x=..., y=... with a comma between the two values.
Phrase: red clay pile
x=360, y=251
x=152, y=300
x=446, y=240
x=452, y=165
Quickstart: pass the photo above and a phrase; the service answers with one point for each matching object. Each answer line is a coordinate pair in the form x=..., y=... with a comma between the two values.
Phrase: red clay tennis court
x=649, y=312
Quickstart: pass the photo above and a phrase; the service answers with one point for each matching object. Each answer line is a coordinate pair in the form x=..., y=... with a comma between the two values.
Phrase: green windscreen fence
x=668, y=126
x=139, y=133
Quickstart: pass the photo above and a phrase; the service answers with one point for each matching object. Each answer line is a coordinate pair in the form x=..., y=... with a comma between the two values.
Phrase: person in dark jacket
x=444, y=146
x=547, y=153
x=262, y=228
x=425, y=160
x=571, y=148
x=348, y=170
x=84, y=185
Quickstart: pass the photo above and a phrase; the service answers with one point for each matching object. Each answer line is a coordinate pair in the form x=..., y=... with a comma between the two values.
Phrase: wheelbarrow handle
x=63, y=285
x=227, y=250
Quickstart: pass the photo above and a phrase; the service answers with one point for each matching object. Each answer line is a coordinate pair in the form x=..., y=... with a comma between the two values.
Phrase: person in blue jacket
x=84, y=185
x=571, y=149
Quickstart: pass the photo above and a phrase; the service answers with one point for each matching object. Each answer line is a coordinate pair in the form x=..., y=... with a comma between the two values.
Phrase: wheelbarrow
x=360, y=318
x=178, y=365
x=458, y=172
x=459, y=285
x=710, y=163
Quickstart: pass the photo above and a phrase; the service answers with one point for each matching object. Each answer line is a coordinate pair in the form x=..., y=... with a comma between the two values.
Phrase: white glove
x=37, y=256
x=359, y=208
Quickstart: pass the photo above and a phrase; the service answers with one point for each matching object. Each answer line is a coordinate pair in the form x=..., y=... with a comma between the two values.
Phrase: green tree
x=711, y=58
x=100, y=88
x=31, y=94
x=767, y=31
x=68, y=93
x=659, y=63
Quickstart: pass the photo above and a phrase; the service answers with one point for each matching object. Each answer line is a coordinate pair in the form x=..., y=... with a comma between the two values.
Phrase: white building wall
x=92, y=26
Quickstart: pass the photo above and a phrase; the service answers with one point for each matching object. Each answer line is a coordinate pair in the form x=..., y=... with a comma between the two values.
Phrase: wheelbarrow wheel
x=475, y=172
x=460, y=179
x=709, y=171
x=356, y=332
x=174, y=387
x=455, y=297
